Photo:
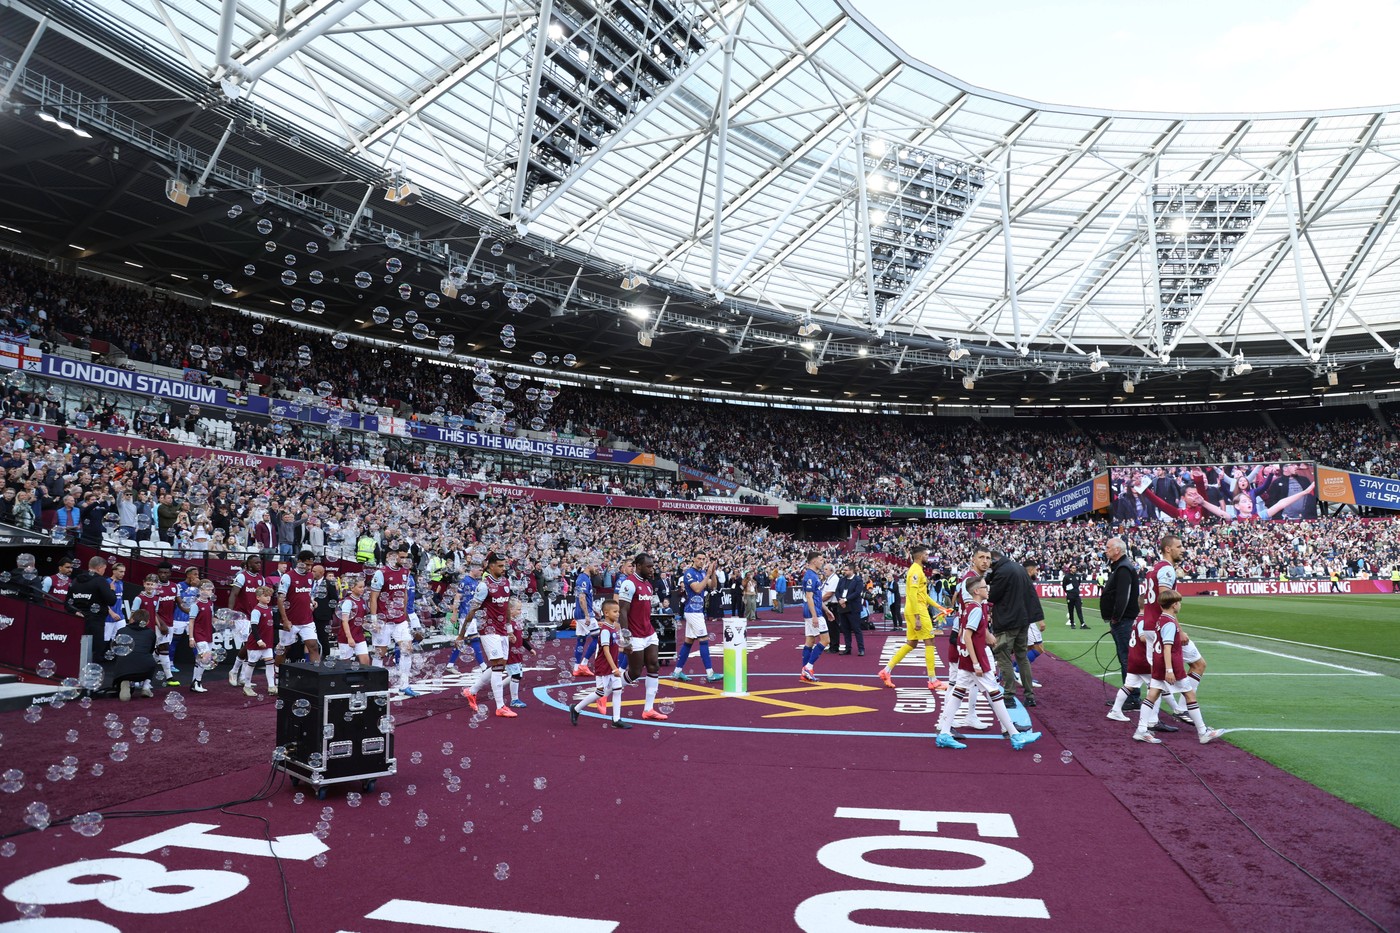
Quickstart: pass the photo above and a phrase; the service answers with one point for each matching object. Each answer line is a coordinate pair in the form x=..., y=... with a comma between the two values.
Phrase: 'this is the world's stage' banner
x=1357, y=488
x=1088, y=496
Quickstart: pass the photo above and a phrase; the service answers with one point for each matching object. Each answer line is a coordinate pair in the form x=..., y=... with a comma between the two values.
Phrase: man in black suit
x=850, y=595
x=1119, y=604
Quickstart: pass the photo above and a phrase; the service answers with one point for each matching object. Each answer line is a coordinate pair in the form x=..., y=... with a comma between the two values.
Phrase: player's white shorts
x=110, y=629
x=241, y=630
x=1190, y=653
x=695, y=625
x=201, y=648
x=607, y=683
x=1133, y=681
x=259, y=654
x=638, y=643
x=1186, y=684
x=346, y=652
x=180, y=627
x=472, y=630
x=1033, y=636
x=815, y=626
x=389, y=633
x=162, y=638
x=287, y=637
x=495, y=647
x=971, y=681
x=586, y=626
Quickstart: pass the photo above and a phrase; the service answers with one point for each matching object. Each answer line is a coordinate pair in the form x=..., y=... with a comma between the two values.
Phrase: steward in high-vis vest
x=364, y=550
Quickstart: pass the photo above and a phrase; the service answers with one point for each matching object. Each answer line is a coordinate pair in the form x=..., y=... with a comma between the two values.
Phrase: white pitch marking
x=1319, y=731
x=1301, y=644
x=1214, y=674
x=1294, y=657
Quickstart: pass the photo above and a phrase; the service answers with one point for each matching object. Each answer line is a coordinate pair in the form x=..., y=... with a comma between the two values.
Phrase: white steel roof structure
x=765, y=169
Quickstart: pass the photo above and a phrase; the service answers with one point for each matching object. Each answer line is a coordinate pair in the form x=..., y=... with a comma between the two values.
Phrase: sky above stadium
x=1206, y=55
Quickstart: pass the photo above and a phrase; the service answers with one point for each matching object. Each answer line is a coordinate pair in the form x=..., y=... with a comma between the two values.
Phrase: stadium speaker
x=448, y=289
x=1331, y=379
x=1128, y=386
x=644, y=338
x=177, y=192
x=969, y=383
x=812, y=367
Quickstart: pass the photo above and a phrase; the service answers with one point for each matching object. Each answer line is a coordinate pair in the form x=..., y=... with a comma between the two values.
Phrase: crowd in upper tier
x=798, y=455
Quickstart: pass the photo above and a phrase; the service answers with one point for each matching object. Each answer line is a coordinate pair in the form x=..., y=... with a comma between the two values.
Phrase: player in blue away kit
x=815, y=616
x=585, y=619
x=471, y=593
x=698, y=579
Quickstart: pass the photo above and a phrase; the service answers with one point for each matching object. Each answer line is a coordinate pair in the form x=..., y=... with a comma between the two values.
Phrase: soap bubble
x=250, y=269
x=446, y=343
x=539, y=358
x=352, y=799
x=1036, y=758
x=298, y=305
x=258, y=328
x=87, y=824
x=13, y=781
x=536, y=815
x=290, y=259
x=667, y=707
x=313, y=247
x=1066, y=757
x=488, y=279
x=270, y=246
x=8, y=849
x=235, y=211
x=120, y=751
x=363, y=280
x=432, y=299
x=264, y=226
x=394, y=264
x=541, y=783
x=259, y=196
x=380, y=314
x=502, y=871
x=45, y=668
x=37, y=815
x=340, y=341
x=384, y=798
x=420, y=331
x=393, y=240
x=315, y=276
x=318, y=306
x=570, y=360
x=498, y=249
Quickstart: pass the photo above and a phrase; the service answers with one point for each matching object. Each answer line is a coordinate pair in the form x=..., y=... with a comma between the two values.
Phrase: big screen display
x=1210, y=492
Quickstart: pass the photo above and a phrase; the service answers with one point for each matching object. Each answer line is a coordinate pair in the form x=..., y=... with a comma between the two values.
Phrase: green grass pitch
x=1323, y=671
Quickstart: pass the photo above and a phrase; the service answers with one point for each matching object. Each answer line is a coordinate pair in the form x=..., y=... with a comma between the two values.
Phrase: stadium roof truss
x=786, y=156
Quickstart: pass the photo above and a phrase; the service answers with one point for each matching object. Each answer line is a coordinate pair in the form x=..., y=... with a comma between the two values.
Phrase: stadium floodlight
x=1196, y=230
x=916, y=199
x=1097, y=363
x=1129, y=386
x=808, y=328
x=639, y=312
x=969, y=383
x=812, y=367
x=644, y=338
x=631, y=281
x=1242, y=367
x=956, y=351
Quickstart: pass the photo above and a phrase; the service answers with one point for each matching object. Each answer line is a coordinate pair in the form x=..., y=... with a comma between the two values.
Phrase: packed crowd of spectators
x=1224, y=551
x=793, y=454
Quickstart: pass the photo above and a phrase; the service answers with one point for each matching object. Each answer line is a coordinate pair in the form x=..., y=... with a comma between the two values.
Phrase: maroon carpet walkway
x=795, y=808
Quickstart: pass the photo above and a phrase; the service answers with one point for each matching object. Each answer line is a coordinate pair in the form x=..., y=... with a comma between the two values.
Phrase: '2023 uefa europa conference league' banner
x=109, y=377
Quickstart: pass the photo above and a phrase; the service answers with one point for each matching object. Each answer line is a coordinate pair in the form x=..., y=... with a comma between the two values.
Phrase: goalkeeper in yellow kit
x=918, y=623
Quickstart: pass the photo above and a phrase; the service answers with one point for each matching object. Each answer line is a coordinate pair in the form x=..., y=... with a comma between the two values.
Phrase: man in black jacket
x=850, y=592
x=1119, y=605
x=91, y=595
x=1017, y=606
